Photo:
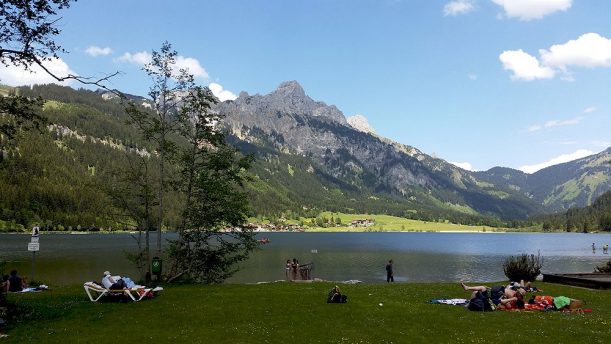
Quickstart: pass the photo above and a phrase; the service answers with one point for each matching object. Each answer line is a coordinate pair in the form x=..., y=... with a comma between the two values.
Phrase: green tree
x=212, y=238
x=209, y=174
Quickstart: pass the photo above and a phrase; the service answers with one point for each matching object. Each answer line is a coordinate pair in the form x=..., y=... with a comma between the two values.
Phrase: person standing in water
x=593, y=248
x=389, y=273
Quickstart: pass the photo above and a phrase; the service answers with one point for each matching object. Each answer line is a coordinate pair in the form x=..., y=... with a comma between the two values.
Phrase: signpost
x=34, y=246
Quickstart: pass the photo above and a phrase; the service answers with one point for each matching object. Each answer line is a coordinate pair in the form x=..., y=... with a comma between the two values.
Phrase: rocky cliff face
x=293, y=123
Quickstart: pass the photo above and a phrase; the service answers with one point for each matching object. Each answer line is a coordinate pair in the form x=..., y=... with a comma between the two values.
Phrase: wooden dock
x=586, y=280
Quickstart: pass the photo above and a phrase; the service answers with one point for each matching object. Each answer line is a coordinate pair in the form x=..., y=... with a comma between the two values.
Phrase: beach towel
x=453, y=302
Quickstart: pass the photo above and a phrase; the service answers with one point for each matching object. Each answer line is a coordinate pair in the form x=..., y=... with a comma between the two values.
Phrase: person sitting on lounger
x=111, y=282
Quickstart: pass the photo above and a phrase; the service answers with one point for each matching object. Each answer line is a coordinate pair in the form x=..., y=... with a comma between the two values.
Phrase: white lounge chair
x=96, y=292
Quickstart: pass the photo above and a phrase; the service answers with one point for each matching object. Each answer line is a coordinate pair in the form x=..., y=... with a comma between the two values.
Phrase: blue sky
x=515, y=83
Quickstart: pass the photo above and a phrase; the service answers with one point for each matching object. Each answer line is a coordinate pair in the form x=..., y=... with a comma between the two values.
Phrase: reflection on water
x=418, y=257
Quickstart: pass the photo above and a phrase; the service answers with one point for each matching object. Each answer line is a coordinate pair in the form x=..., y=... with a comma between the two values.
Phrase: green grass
x=297, y=313
x=390, y=223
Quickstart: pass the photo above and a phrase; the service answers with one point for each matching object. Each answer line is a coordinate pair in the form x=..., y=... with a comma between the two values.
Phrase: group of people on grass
x=512, y=297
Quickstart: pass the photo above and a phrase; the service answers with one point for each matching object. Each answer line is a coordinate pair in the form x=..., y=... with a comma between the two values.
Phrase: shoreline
x=324, y=230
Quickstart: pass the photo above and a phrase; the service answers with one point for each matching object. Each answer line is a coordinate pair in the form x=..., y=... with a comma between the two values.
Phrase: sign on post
x=35, y=232
x=33, y=246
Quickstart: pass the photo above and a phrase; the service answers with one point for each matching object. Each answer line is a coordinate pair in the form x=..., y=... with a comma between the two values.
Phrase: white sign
x=33, y=246
x=34, y=239
x=35, y=231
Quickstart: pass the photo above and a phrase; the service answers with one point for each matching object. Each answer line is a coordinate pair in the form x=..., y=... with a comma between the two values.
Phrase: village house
x=362, y=223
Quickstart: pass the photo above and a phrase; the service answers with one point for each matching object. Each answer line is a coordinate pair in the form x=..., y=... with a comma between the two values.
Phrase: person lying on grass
x=486, y=298
x=560, y=303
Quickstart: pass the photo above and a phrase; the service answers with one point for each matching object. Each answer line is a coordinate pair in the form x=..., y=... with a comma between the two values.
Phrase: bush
x=524, y=267
x=605, y=268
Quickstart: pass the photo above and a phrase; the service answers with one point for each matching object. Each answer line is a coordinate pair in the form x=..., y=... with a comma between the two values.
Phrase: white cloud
x=589, y=50
x=97, y=51
x=535, y=127
x=140, y=58
x=589, y=109
x=532, y=9
x=562, y=142
x=360, y=123
x=191, y=64
x=457, y=7
x=18, y=76
x=557, y=160
x=472, y=76
x=220, y=93
x=464, y=165
x=524, y=66
x=556, y=123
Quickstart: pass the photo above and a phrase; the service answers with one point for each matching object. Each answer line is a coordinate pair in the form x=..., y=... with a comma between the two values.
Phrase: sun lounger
x=96, y=292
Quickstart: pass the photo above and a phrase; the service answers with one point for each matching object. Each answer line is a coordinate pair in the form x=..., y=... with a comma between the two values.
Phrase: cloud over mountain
x=18, y=76
x=191, y=64
x=221, y=93
x=580, y=153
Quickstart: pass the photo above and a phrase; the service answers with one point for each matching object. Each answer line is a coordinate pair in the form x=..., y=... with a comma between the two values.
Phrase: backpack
x=481, y=302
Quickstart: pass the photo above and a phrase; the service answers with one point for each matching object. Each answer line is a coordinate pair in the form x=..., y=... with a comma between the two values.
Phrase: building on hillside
x=362, y=223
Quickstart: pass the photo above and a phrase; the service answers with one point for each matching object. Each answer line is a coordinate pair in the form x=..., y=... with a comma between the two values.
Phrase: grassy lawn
x=297, y=313
x=388, y=223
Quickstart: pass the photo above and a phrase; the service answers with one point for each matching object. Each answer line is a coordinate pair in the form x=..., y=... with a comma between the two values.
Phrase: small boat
x=264, y=241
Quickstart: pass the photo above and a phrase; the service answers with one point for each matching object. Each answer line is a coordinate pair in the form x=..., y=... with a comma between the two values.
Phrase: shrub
x=524, y=267
x=605, y=268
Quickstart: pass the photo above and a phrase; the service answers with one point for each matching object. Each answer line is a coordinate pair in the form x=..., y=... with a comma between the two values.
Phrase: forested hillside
x=59, y=177
x=591, y=218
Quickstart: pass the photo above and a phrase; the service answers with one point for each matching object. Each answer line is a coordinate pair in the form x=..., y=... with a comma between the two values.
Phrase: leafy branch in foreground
x=27, y=37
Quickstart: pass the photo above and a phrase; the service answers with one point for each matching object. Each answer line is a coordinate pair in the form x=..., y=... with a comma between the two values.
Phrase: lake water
x=418, y=257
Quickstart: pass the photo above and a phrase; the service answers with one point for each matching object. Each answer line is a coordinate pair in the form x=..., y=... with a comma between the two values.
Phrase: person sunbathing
x=503, y=296
x=113, y=282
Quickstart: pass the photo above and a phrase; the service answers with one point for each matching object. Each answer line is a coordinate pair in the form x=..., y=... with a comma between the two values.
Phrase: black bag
x=481, y=302
x=336, y=297
x=476, y=304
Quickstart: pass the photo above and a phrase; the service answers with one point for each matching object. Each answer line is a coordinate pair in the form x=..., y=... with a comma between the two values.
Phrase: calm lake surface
x=418, y=257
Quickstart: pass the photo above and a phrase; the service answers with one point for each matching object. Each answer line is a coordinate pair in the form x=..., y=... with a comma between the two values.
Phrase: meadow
x=298, y=313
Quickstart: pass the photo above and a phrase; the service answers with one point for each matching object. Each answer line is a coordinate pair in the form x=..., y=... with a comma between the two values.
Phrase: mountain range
x=288, y=122
x=309, y=158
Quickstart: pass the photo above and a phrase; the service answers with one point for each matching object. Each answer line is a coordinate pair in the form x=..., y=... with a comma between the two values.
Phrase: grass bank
x=297, y=313
x=388, y=223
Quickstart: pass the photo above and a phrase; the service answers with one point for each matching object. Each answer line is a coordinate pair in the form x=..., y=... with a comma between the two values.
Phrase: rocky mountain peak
x=288, y=98
x=290, y=89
